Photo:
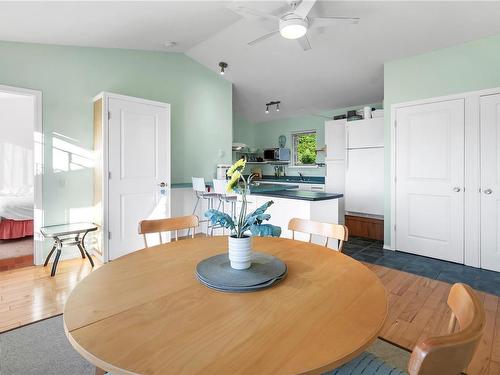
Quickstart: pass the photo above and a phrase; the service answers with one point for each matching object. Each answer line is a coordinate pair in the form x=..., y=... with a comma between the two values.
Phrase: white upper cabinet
x=365, y=133
x=335, y=139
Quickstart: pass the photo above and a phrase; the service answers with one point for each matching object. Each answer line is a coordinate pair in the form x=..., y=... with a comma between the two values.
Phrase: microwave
x=277, y=154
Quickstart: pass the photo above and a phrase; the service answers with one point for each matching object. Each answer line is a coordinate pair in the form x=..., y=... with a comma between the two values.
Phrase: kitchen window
x=304, y=148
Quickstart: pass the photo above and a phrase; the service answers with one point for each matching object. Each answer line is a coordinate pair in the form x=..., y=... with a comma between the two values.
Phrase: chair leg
x=79, y=248
x=50, y=254
x=194, y=210
x=56, y=260
x=83, y=250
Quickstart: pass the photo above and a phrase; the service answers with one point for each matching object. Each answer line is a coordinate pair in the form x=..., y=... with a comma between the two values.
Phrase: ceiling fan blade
x=246, y=12
x=332, y=21
x=263, y=37
x=304, y=8
x=304, y=43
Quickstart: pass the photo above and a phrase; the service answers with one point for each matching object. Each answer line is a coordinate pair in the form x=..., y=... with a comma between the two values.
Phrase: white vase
x=240, y=252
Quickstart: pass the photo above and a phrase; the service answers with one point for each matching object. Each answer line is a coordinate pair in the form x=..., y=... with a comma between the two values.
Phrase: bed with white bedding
x=16, y=215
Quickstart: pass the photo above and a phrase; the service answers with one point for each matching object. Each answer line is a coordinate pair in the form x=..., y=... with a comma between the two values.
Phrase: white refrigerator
x=364, y=167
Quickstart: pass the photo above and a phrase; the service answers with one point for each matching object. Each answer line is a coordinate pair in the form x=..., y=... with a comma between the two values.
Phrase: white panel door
x=430, y=180
x=139, y=160
x=490, y=182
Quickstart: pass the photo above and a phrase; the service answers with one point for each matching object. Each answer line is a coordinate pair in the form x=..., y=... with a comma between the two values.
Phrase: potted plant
x=240, y=249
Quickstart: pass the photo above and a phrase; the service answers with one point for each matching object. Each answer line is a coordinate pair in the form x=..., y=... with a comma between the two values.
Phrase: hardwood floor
x=417, y=306
x=29, y=294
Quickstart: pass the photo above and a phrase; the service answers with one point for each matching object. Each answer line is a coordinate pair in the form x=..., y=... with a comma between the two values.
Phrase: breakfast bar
x=290, y=203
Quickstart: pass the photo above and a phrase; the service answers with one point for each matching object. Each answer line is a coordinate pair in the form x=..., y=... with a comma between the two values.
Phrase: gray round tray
x=265, y=271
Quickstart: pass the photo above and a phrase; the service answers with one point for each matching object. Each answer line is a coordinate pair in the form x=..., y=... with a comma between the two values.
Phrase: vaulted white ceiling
x=344, y=66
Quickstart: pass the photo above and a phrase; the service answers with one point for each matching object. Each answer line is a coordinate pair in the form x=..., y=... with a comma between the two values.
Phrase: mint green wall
x=243, y=131
x=465, y=67
x=69, y=77
x=265, y=134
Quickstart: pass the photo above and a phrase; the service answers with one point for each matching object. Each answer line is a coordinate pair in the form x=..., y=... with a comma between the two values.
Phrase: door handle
x=456, y=189
x=162, y=184
x=488, y=191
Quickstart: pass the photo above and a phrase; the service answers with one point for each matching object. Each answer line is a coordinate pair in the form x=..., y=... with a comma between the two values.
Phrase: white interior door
x=430, y=179
x=490, y=183
x=139, y=160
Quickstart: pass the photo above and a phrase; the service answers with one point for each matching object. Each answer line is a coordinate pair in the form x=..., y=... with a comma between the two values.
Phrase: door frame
x=472, y=164
x=38, y=166
x=105, y=96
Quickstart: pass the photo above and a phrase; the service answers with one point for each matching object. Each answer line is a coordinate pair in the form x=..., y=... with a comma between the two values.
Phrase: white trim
x=472, y=253
x=38, y=154
x=110, y=95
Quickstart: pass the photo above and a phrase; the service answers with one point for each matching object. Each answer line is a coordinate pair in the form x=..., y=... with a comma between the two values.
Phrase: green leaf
x=260, y=210
x=220, y=218
x=265, y=230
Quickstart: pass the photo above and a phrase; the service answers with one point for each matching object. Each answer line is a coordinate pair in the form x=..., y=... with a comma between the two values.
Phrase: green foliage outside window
x=305, y=148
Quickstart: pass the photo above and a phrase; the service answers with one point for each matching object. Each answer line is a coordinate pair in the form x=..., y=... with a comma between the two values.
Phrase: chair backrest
x=168, y=225
x=220, y=186
x=198, y=184
x=452, y=353
x=334, y=231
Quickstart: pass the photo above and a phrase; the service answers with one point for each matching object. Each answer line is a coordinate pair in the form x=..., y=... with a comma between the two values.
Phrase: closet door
x=490, y=182
x=430, y=180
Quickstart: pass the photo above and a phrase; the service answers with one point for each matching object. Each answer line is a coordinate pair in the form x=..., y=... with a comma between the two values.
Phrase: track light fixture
x=223, y=67
x=270, y=104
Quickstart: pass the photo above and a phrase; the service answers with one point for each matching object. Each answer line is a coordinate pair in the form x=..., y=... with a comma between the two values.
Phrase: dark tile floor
x=371, y=251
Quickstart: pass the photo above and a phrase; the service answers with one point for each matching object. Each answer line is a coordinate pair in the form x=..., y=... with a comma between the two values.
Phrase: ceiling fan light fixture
x=293, y=28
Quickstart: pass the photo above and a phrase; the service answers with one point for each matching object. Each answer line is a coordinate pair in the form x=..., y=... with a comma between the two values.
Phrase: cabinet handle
x=488, y=191
x=316, y=188
x=456, y=189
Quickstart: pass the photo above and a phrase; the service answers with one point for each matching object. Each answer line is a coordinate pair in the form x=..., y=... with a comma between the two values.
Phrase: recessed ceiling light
x=169, y=44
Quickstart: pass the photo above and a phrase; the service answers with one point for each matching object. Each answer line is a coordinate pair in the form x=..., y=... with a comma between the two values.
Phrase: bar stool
x=224, y=196
x=199, y=188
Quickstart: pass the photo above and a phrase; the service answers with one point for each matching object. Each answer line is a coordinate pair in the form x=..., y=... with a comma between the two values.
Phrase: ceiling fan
x=293, y=23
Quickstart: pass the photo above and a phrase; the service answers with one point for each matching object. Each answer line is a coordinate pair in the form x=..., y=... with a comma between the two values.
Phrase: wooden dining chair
x=449, y=354
x=334, y=231
x=173, y=224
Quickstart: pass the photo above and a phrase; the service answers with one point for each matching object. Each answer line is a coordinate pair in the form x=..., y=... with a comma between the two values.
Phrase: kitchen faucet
x=301, y=176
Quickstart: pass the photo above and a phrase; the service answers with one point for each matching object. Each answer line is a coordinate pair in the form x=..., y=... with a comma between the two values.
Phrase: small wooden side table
x=67, y=235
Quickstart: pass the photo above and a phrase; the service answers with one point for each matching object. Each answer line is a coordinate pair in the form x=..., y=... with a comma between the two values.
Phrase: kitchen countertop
x=280, y=191
x=312, y=196
x=293, y=179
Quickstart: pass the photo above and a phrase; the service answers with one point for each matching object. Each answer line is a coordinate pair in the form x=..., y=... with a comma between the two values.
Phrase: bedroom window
x=304, y=148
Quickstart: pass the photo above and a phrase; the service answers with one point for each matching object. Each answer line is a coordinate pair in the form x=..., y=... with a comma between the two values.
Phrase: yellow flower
x=233, y=182
x=238, y=166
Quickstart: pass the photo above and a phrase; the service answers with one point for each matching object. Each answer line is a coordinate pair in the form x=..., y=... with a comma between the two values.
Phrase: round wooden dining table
x=146, y=313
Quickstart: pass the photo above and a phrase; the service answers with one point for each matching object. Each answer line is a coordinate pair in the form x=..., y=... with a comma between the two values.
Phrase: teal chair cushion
x=366, y=364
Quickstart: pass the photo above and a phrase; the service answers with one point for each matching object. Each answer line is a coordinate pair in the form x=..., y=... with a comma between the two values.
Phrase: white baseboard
x=388, y=247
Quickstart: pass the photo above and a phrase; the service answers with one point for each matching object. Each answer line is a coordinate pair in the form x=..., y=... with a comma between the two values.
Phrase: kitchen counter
x=300, y=195
x=257, y=188
x=293, y=179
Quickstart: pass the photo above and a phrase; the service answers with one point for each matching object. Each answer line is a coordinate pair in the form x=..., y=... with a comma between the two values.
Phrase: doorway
x=20, y=177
